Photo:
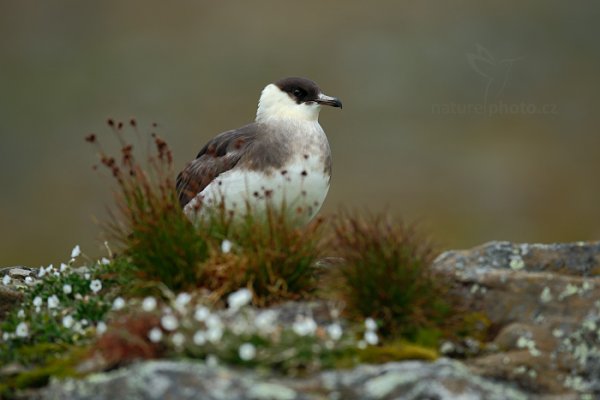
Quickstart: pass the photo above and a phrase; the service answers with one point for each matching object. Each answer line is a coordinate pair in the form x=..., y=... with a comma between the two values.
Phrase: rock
x=539, y=299
x=443, y=380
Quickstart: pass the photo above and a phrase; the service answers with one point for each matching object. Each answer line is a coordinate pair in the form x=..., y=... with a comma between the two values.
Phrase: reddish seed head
x=90, y=138
x=119, y=125
x=110, y=122
x=133, y=122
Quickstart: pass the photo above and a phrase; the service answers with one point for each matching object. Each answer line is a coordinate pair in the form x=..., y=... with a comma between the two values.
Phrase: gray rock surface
x=443, y=380
x=543, y=303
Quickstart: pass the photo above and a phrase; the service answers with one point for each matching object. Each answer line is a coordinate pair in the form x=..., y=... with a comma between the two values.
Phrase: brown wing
x=219, y=155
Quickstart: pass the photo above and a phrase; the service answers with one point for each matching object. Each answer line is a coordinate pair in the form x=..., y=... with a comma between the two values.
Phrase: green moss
x=396, y=351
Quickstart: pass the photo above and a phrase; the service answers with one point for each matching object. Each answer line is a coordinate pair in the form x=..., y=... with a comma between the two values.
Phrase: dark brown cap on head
x=303, y=90
x=300, y=89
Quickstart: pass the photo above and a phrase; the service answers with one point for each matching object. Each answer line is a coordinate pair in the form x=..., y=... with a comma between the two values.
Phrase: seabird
x=282, y=158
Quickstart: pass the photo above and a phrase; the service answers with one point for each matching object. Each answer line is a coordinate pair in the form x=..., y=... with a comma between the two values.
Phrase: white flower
x=149, y=304
x=118, y=303
x=247, y=351
x=67, y=289
x=6, y=279
x=265, y=321
x=155, y=335
x=53, y=301
x=68, y=321
x=63, y=267
x=169, y=322
x=37, y=301
x=226, y=246
x=96, y=285
x=182, y=300
x=42, y=272
x=370, y=324
x=215, y=328
x=101, y=328
x=371, y=338
x=304, y=326
x=199, y=338
x=104, y=261
x=75, y=252
x=201, y=314
x=87, y=276
x=239, y=299
x=28, y=280
x=178, y=339
x=21, y=313
x=335, y=331
x=22, y=330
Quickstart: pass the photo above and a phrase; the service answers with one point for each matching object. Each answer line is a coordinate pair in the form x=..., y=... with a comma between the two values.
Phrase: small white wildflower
x=213, y=321
x=215, y=334
x=182, y=301
x=22, y=330
x=68, y=321
x=5, y=336
x=155, y=335
x=21, y=313
x=247, y=351
x=239, y=299
x=169, y=322
x=118, y=303
x=370, y=324
x=42, y=272
x=226, y=246
x=335, y=331
x=84, y=322
x=304, y=326
x=56, y=273
x=6, y=279
x=215, y=328
x=149, y=304
x=104, y=261
x=178, y=339
x=96, y=285
x=28, y=280
x=67, y=289
x=63, y=267
x=53, y=301
x=199, y=338
x=265, y=321
x=201, y=314
x=371, y=338
x=37, y=301
x=101, y=328
x=75, y=252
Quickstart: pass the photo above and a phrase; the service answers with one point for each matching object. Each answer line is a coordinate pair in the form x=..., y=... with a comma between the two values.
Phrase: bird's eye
x=299, y=93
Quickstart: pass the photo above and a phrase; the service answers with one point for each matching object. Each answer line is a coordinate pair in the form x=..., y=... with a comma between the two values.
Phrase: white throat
x=275, y=104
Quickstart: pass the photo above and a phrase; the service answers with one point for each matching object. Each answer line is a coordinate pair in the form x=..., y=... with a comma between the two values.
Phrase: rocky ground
x=542, y=303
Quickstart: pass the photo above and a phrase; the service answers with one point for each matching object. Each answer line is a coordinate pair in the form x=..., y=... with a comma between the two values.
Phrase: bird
x=282, y=159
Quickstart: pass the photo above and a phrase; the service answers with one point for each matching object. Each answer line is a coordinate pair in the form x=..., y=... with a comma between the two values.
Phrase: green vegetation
x=182, y=289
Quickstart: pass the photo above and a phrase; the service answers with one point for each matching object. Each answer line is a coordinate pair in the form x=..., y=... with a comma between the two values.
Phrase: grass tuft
x=386, y=275
x=147, y=220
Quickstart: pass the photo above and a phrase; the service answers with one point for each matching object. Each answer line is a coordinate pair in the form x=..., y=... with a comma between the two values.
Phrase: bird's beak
x=329, y=101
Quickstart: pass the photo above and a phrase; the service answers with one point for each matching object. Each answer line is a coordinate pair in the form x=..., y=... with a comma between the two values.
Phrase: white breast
x=300, y=186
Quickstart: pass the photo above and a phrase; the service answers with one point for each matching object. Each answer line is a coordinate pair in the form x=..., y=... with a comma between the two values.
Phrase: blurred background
x=479, y=120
